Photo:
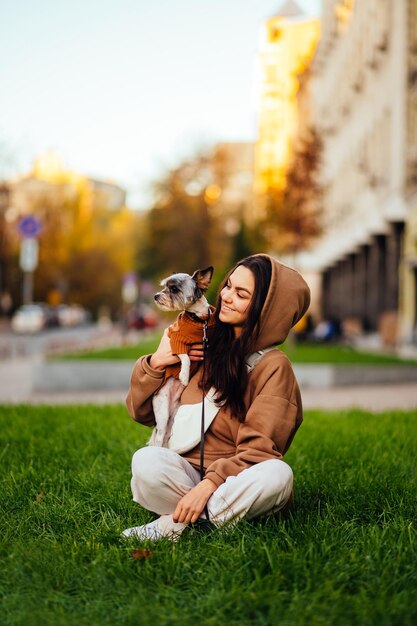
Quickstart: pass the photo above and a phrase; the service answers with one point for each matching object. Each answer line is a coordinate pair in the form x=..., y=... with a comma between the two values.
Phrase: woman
x=256, y=412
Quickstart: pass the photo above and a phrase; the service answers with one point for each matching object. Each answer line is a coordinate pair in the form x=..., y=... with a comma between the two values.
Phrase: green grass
x=345, y=556
x=302, y=353
x=132, y=352
x=340, y=355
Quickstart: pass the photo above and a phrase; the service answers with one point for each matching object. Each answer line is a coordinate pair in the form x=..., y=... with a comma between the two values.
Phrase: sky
x=122, y=90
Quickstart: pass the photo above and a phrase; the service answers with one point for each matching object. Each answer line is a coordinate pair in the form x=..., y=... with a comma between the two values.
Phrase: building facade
x=362, y=104
x=409, y=269
x=287, y=45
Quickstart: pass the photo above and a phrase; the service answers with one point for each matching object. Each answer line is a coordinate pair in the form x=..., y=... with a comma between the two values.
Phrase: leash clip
x=205, y=326
x=205, y=334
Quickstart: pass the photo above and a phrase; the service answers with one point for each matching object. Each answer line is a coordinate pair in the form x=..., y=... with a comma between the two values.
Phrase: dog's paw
x=184, y=375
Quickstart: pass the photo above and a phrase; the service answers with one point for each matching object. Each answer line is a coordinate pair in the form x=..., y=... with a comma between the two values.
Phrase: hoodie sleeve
x=270, y=425
x=144, y=382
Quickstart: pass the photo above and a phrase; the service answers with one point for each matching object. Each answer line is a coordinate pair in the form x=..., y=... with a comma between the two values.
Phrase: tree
x=248, y=240
x=182, y=231
x=85, y=246
x=94, y=280
x=294, y=215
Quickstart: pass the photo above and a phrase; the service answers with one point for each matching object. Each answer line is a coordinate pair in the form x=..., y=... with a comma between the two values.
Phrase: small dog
x=186, y=293
x=181, y=292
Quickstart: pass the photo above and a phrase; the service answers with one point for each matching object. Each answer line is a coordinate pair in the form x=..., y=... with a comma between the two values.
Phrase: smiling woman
x=242, y=297
x=236, y=297
x=253, y=411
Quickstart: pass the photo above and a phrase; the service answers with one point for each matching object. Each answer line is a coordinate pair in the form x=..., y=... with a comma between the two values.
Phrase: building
x=363, y=91
x=102, y=194
x=408, y=310
x=288, y=41
x=49, y=175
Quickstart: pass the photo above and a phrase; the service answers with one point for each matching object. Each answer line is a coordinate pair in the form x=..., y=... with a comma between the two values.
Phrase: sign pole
x=29, y=228
x=29, y=248
x=27, y=287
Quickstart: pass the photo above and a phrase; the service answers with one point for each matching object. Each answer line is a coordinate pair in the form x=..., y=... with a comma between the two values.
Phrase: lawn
x=345, y=556
x=301, y=353
x=147, y=345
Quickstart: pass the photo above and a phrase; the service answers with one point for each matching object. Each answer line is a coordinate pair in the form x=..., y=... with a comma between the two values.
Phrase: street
x=19, y=354
x=55, y=340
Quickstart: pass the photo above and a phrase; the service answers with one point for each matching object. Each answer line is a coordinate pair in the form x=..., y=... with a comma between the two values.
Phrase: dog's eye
x=174, y=289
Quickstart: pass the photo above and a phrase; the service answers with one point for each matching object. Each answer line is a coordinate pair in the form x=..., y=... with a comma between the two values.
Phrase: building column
x=393, y=256
x=338, y=292
x=354, y=285
x=331, y=306
x=376, y=279
x=350, y=291
x=326, y=288
x=362, y=286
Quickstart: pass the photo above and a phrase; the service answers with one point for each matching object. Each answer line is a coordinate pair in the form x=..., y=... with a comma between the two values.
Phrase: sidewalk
x=18, y=385
x=373, y=398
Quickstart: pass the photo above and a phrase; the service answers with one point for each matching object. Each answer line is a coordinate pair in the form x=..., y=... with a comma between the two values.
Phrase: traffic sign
x=29, y=249
x=30, y=226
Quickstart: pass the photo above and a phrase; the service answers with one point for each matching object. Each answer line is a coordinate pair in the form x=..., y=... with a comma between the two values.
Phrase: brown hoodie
x=274, y=409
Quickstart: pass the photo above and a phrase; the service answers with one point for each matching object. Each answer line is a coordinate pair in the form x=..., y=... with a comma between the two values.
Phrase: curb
x=329, y=376
x=82, y=375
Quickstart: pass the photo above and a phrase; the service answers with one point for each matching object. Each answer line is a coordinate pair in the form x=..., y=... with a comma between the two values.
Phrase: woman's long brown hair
x=226, y=355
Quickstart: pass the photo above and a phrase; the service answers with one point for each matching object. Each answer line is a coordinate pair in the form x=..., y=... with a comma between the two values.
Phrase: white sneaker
x=163, y=527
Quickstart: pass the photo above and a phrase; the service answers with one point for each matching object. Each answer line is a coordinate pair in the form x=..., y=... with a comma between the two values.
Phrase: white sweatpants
x=161, y=477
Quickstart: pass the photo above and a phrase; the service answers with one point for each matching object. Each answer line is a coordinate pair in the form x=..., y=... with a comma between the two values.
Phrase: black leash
x=203, y=430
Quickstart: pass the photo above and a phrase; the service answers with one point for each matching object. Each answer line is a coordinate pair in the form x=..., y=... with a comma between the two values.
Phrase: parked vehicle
x=29, y=318
x=32, y=318
x=141, y=316
x=72, y=315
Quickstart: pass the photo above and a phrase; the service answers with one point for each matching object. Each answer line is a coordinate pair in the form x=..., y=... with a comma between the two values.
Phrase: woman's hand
x=163, y=355
x=192, y=504
x=196, y=353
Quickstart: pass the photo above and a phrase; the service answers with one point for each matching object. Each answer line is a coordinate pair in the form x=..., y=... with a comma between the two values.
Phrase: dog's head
x=180, y=291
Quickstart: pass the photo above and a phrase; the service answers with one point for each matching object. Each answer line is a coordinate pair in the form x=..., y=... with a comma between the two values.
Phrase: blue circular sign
x=29, y=226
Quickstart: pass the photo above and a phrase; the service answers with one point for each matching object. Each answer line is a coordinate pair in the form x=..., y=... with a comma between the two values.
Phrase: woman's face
x=236, y=297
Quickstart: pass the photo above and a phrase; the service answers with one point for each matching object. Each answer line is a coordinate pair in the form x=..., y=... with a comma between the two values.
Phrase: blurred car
x=72, y=315
x=51, y=315
x=29, y=318
x=141, y=316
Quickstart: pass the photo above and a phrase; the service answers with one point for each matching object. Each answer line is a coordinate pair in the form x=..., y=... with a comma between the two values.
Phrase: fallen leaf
x=141, y=554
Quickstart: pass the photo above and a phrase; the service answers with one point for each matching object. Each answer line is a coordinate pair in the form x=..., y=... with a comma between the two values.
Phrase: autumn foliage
x=293, y=216
x=85, y=247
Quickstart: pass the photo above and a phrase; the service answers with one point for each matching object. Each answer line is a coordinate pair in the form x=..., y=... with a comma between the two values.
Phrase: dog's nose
x=156, y=296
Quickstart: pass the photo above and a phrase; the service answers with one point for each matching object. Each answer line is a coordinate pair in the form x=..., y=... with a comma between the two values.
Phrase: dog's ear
x=203, y=277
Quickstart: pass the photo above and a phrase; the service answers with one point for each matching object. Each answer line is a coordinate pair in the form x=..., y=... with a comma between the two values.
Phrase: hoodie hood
x=287, y=300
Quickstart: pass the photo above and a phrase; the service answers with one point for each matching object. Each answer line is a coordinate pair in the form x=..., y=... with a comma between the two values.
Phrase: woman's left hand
x=196, y=353
x=192, y=504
